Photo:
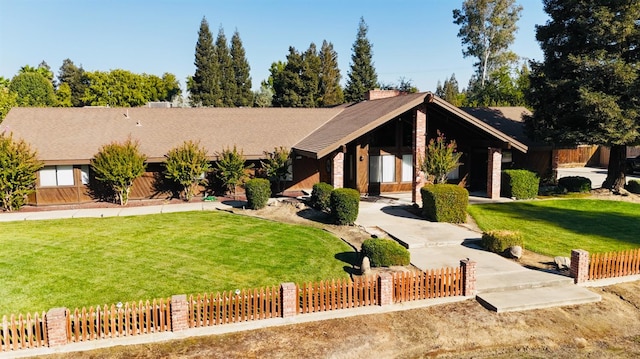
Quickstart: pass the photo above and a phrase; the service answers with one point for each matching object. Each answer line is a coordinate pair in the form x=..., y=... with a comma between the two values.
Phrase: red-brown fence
x=437, y=283
x=23, y=332
x=119, y=321
x=233, y=307
x=340, y=294
x=614, y=264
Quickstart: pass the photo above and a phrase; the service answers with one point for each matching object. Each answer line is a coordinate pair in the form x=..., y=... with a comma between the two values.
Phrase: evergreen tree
x=75, y=78
x=330, y=91
x=264, y=96
x=310, y=76
x=288, y=86
x=362, y=75
x=241, y=69
x=487, y=29
x=587, y=90
x=226, y=80
x=204, y=86
x=450, y=91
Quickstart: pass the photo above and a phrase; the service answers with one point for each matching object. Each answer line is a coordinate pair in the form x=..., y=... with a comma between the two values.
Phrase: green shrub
x=500, y=240
x=385, y=252
x=321, y=196
x=445, y=203
x=258, y=191
x=520, y=184
x=344, y=205
x=633, y=186
x=575, y=184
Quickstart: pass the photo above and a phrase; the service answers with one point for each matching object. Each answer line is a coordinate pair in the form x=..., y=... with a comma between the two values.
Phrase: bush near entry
x=385, y=252
x=258, y=191
x=575, y=184
x=321, y=196
x=498, y=241
x=445, y=203
x=633, y=186
x=520, y=184
x=344, y=205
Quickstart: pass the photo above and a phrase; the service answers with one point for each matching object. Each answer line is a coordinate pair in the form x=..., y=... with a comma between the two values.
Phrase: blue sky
x=411, y=39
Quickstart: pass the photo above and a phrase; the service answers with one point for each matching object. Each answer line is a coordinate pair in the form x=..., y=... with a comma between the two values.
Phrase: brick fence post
x=179, y=313
x=579, y=266
x=288, y=300
x=385, y=289
x=56, y=322
x=468, y=277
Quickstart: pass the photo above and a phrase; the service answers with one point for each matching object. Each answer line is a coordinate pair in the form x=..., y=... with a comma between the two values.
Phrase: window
x=56, y=176
x=382, y=169
x=407, y=168
x=85, y=174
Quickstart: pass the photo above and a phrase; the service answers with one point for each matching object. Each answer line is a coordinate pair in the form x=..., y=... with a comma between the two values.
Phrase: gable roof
x=508, y=120
x=74, y=135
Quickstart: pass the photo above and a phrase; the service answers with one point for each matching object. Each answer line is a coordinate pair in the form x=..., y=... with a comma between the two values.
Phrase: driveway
x=596, y=175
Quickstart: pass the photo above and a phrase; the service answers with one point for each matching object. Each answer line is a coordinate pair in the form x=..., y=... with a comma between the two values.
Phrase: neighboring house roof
x=74, y=135
x=356, y=120
x=508, y=120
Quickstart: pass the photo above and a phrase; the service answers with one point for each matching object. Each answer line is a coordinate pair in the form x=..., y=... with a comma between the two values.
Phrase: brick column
x=288, y=300
x=385, y=289
x=56, y=321
x=468, y=277
x=337, y=170
x=179, y=313
x=419, y=145
x=494, y=172
x=579, y=266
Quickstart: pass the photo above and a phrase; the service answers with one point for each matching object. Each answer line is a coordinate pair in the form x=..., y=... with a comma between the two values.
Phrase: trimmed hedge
x=499, y=241
x=344, y=205
x=321, y=196
x=258, y=191
x=520, y=184
x=575, y=184
x=633, y=186
x=385, y=252
x=445, y=203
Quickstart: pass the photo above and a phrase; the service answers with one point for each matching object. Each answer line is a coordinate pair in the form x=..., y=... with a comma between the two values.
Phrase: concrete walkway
x=502, y=284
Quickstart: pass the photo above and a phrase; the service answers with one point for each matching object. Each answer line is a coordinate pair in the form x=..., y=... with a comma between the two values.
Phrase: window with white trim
x=407, y=168
x=51, y=176
x=382, y=169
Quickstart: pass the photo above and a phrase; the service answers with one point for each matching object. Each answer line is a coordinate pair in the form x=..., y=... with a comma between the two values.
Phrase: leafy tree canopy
x=186, y=165
x=18, y=168
x=117, y=165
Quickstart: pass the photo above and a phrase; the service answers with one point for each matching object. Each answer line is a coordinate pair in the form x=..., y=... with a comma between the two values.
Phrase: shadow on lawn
x=593, y=220
x=351, y=258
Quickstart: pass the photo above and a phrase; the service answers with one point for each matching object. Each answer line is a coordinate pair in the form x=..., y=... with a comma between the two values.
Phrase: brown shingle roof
x=508, y=120
x=74, y=135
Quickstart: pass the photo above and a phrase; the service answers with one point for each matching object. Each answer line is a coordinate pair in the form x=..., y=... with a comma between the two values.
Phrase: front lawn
x=96, y=261
x=555, y=227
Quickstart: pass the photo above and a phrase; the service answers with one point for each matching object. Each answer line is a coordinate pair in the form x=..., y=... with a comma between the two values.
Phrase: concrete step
x=521, y=279
x=537, y=298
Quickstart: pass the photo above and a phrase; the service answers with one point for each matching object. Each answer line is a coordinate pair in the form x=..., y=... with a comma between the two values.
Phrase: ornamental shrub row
x=575, y=184
x=498, y=241
x=258, y=191
x=385, y=252
x=342, y=203
x=633, y=186
x=520, y=184
x=320, y=196
x=445, y=203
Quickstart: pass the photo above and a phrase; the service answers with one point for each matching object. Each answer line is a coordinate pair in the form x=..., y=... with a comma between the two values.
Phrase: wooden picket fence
x=436, y=283
x=112, y=322
x=23, y=332
x=341, y=294
x=614, y=264
x=233, y=307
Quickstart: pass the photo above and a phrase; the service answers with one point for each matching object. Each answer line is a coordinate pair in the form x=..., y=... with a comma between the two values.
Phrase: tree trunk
x=616, y=170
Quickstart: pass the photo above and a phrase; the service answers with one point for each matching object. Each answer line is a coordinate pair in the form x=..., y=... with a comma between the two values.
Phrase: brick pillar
x=419, y=145
x=579, y=266
x=288, y=300
x=494, y=169
x=468, y=277
x=385, y=289
x=337, y=170
x=179, y=313
x=57, y=327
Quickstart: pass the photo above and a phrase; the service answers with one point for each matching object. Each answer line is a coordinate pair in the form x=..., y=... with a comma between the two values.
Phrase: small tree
x=117, y=165
x=18, y=167
x=186, y=165
x=231, y=168
x=440, y=158
x=276, y=166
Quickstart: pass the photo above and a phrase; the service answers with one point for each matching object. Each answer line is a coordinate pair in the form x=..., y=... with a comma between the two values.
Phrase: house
x=373, y=146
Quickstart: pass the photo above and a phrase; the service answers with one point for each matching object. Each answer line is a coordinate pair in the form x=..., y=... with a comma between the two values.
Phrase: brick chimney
x=377, y=94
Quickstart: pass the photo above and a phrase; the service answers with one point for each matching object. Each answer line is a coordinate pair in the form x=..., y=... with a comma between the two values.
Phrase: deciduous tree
x=186, y=165
x=440, y=158
x=33, y=90
x=231, y=168
x=276, y=165
x=587, y=89
x=18, y=168
x=117, y=165
x=362, y=75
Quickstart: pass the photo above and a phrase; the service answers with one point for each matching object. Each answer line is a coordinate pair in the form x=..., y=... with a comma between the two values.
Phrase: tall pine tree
x=227, y=80
x=76, y=79
x=288, y=87
x=244, y=95
x=204, y=86
x=310, y=76
x=587, y=90
x=330, y=91
x=362, y=75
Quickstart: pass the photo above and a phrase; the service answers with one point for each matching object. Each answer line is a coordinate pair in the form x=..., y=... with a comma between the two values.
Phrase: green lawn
x=95, y=261
x=555, y=227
